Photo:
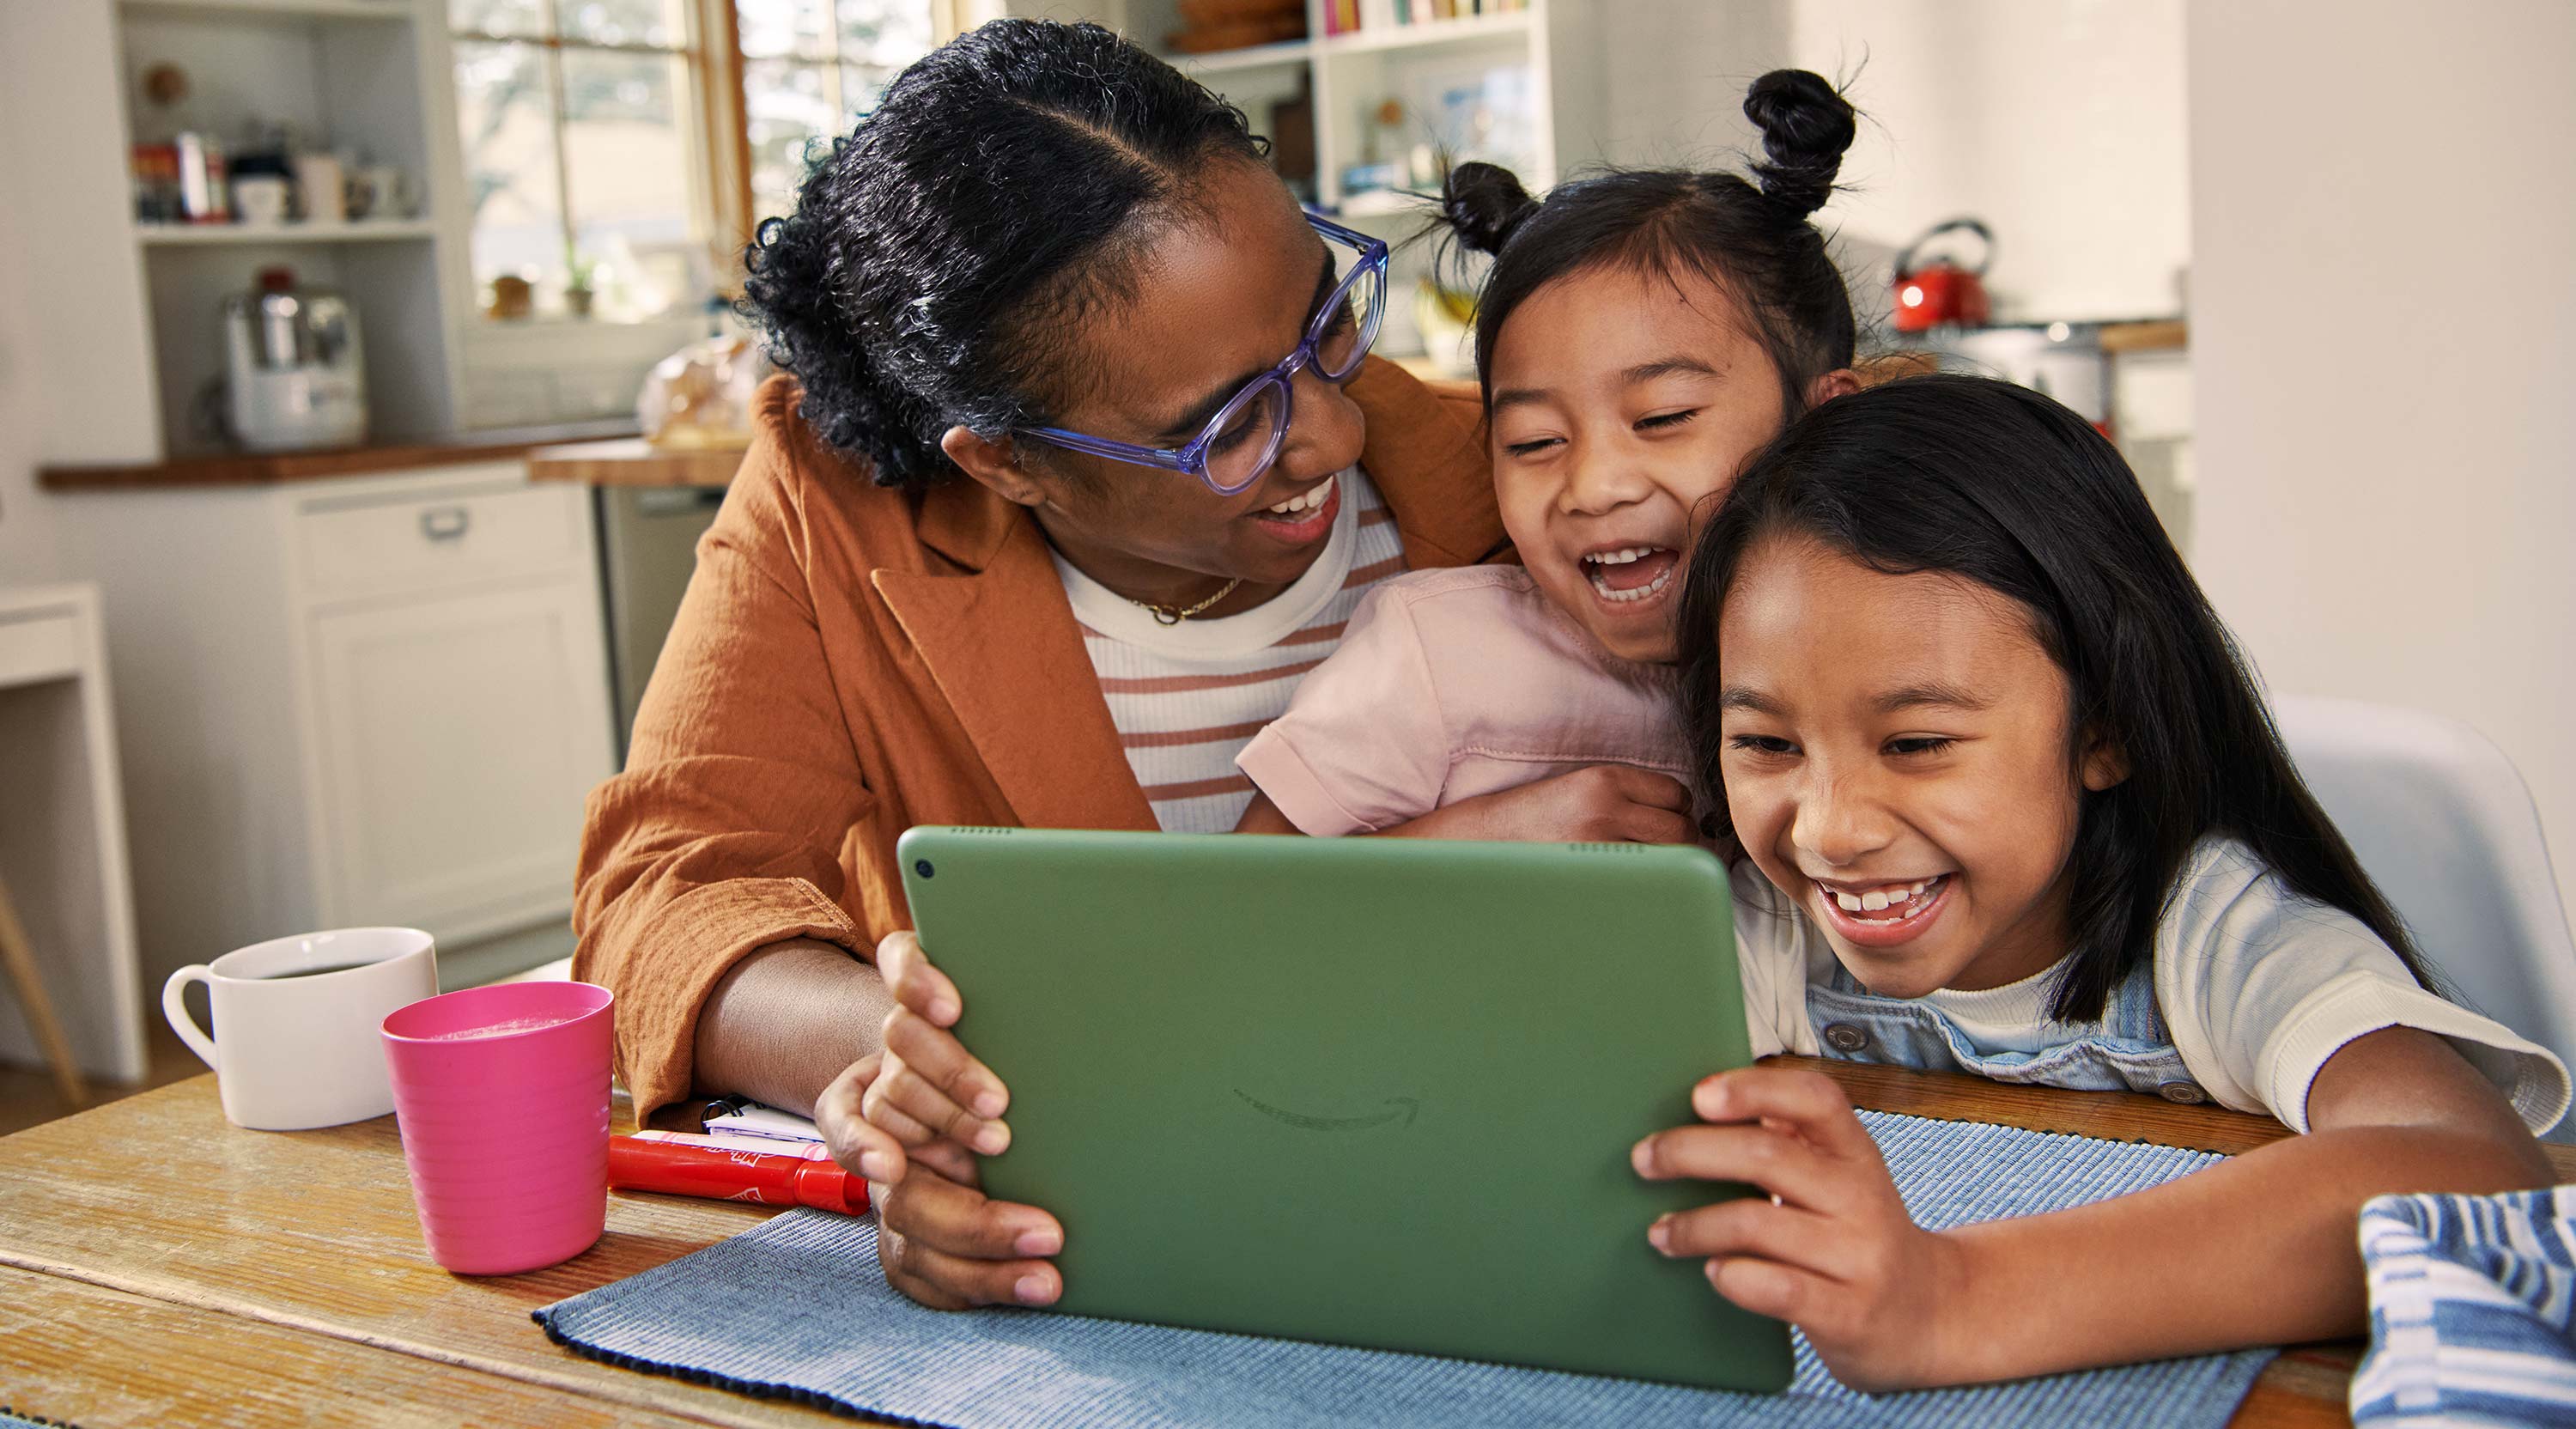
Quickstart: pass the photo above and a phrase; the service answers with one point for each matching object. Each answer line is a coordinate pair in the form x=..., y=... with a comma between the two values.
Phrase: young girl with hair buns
x=1641, y=334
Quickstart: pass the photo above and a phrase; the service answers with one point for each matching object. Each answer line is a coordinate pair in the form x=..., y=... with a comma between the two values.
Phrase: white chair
x=2443, y=823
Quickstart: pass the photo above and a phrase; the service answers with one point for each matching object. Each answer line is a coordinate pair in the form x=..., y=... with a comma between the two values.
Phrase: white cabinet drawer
x=464, y=530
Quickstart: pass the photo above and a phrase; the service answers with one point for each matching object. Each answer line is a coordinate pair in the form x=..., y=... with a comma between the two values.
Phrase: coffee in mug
x=295, y=1040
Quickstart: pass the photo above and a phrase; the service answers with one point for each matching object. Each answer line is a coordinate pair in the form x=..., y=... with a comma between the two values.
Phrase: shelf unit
x=1348, y=76
x=1402, y=37
x=283, y=235
x=1428, y=32
x=356, y=75
x=361, y=10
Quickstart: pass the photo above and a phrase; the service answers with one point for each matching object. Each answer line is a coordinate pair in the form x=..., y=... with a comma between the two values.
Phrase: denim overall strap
x=2128, y=1050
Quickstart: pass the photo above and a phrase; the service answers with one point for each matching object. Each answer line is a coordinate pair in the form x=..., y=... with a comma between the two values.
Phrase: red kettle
x=1937, y=292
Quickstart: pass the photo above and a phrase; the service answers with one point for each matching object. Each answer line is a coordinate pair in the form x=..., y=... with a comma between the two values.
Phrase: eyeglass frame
x=1191, y=457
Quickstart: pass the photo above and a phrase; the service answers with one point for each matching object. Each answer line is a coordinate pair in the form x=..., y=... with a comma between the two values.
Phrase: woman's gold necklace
x=1174, y=615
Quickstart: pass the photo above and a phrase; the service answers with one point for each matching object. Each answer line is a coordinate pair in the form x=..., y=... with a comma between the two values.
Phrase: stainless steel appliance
x=293, y=370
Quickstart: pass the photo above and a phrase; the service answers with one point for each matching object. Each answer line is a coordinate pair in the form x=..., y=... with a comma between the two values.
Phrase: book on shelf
x=1343, y=17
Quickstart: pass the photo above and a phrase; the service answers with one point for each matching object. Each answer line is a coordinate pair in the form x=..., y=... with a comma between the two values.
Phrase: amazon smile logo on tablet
x=1404, y=1107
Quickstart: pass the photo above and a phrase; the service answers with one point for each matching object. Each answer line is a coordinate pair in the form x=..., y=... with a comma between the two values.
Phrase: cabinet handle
x=446, y=523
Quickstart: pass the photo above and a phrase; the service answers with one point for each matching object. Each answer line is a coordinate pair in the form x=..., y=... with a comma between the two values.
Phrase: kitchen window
x=809, y=68
x=617, y=153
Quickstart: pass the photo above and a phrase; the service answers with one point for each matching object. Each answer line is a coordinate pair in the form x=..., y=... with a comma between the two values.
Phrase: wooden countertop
x=634, y=462
x=272, y=468
x=2169, y=335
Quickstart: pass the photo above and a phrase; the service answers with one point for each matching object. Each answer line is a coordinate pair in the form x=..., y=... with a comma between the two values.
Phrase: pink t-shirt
x=1450, y=684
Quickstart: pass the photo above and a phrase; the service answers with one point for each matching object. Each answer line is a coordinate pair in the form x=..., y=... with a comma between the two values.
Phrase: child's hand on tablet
x=930, y=1086
x=1831, y=1249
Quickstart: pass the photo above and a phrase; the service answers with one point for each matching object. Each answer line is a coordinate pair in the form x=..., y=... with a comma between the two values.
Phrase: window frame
x=729, y=134
x=710, y=50
x=690, y=50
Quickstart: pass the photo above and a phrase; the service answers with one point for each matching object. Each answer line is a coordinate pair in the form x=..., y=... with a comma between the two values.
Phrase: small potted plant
x=577, y=288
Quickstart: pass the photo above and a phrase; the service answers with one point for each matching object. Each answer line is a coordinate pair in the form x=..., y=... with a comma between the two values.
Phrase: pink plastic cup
x=502, y=1096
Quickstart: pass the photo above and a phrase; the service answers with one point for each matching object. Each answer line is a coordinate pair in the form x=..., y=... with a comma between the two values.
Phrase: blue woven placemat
x=798, y=1309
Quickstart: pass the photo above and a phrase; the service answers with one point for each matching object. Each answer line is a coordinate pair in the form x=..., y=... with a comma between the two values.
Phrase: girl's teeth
x=1307, y=502
x=1651, y=588
x=1879, y=900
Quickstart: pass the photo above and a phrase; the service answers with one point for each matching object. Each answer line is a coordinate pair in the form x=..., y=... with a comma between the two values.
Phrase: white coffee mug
x=260, y=199
x=296, y=1041
x=324, y=184
x=388, y=192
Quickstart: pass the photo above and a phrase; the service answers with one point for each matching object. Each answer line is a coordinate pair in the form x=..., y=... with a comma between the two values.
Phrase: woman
x=1079, y=462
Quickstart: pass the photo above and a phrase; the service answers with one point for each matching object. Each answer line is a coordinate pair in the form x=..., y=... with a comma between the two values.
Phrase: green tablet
x=1375, y=1092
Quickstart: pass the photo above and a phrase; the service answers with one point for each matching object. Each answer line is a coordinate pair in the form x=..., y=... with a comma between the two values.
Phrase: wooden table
x=159, y=1266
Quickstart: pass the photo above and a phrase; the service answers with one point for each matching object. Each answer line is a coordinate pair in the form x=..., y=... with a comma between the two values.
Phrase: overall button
x=2182, y=1093
x=1844, y=1037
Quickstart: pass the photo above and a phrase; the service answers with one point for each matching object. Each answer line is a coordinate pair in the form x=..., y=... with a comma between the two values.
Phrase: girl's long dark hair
x=1751, y=237
x=2002, y=486
x=1009, y=180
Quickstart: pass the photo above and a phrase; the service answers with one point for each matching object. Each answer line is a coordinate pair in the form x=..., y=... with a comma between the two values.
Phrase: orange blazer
x=852, y=660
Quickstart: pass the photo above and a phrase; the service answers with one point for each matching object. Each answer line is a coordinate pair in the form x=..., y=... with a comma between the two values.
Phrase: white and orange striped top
x=1186, y=697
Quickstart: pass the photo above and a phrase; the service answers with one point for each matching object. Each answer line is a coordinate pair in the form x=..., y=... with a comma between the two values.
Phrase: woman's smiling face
x=1623, y=401
x=1901, y=743
x=1222, y=293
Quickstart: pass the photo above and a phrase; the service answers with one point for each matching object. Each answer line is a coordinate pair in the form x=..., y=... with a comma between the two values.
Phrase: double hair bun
x=1483, y=203
x=1806, y=125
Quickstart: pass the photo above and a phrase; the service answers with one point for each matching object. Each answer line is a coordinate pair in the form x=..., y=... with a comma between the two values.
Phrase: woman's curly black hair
x=1009, y=181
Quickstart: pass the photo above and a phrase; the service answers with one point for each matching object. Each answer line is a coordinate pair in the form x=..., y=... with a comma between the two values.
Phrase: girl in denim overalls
x=2006, y=803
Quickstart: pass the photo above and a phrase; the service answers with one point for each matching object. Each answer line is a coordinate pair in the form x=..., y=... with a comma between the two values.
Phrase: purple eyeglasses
x=1238, y=444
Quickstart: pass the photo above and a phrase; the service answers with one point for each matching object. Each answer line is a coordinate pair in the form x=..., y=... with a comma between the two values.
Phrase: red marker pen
x=722, y=1173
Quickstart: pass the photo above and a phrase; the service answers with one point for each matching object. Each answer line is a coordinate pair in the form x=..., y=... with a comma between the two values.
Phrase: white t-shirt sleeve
x=2260, y=987
x=1773, y=947
x=1362, y=745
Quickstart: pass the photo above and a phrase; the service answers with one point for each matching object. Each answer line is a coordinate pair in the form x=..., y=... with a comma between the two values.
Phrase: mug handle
x=176, y=1009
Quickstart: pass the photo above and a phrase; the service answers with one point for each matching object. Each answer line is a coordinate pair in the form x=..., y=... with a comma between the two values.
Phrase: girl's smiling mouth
x=1884, y=915
x=1632, y=577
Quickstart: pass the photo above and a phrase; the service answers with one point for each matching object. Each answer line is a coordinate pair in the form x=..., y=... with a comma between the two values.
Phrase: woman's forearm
x=785, y=1021
x=2259, y=1250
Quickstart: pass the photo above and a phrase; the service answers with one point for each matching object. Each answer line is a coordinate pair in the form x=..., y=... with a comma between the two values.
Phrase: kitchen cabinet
x=365, y=699
x=454, y=732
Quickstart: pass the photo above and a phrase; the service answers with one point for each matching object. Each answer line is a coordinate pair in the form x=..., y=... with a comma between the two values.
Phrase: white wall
x=75, y=396
x=30, y=546
x=2059, y=122
x=69, y=268
x=2384, y=337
